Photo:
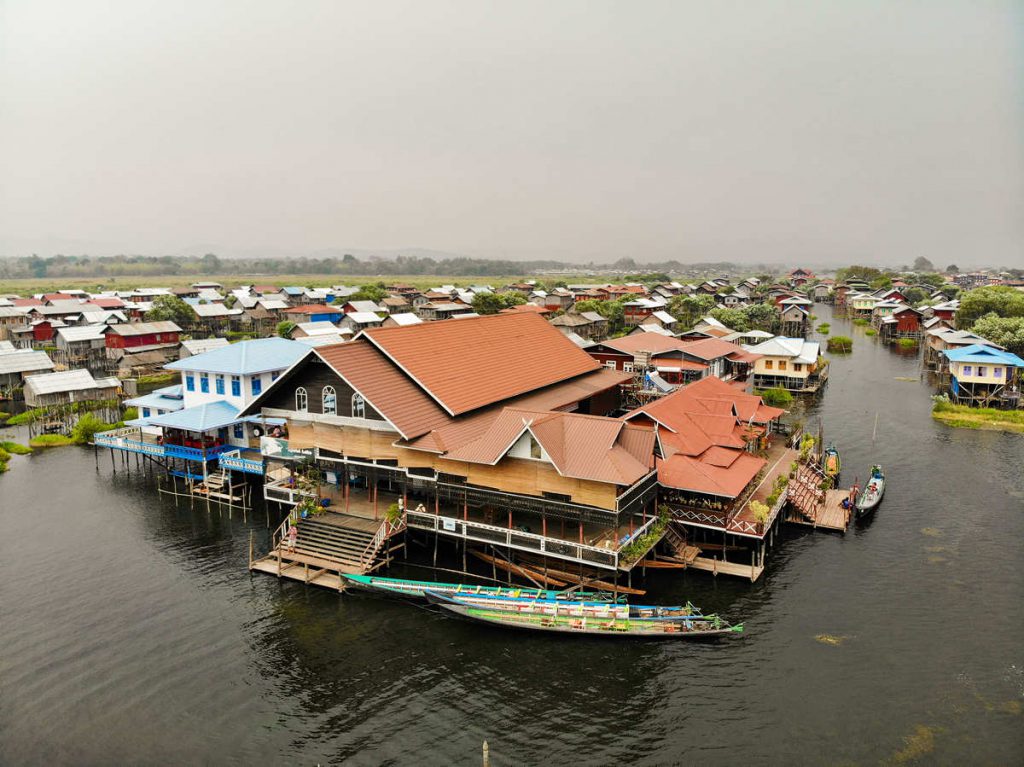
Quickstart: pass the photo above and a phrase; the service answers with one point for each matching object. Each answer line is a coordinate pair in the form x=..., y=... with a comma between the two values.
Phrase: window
x=301, y=400
x=239, y=431
x=797, y=366
x=358, y=406
x=997, y=372
x=627, y=367
x=769, y=365
x=782, y=364
x=610, y=364
x=981, y=371
x=330, y=401
x=967, y=370
x=534, y=448
x=190, y=383
x=274, y=374
x=145, y=412
x=204, y=383
x=236, y=386
x=257, y=385
x=219, y=384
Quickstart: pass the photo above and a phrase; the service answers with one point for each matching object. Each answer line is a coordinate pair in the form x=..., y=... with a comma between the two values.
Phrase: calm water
x=130, y=631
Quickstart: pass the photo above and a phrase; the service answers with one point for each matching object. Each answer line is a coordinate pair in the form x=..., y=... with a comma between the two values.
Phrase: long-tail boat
x=566, y=607
x=831, y=463
x=706, y=626
x=873, y=491
x=417, y=589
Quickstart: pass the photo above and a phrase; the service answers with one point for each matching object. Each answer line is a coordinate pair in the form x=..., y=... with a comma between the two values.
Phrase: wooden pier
x=829, y=515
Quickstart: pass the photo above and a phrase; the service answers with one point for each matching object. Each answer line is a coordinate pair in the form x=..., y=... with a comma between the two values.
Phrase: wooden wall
x=513, y=475
x=314, y=374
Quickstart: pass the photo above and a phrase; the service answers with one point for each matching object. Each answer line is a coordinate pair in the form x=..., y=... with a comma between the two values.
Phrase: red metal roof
x=479, y=361
x=314, y=309
x=389, y=391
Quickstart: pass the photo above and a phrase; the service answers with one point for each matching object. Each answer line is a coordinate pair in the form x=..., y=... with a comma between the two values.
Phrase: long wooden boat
x=708, y=626
x=417, y=589
x=831, y=463
x=567, y=607
x=873, y=491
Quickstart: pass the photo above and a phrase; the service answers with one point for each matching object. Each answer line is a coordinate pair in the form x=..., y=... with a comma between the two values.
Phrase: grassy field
x=30, y=286
x=963, y=417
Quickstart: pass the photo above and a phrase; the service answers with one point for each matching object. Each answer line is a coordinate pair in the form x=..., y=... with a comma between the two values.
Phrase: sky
x=771, y=131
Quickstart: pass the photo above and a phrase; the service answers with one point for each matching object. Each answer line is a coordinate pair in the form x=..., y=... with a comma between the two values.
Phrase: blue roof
x=984, y=355
x=205, y=417
x=245, y=357
x=160, y=398
x=293, y=291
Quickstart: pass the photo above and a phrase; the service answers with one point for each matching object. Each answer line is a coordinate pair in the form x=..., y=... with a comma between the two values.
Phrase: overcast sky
x=826, y=132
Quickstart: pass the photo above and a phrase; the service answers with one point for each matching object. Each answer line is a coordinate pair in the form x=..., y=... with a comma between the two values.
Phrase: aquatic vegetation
x=51, y=440
x=824, y=328
x=860, y=321
x=930, y=531
x=840, y=344
x=906, y=343
x=14, y=448
x=830, y=639
x=964, y=417
x=918, y=744
x=871, y=332
x=776, y=397
x=935, y=559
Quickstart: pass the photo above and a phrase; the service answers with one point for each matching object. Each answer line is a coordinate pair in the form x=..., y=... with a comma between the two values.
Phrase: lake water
x=131, y=632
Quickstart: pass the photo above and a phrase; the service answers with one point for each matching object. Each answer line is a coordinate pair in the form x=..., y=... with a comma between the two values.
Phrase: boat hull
x=569, y=608
x=408, y=589
x=619, y=629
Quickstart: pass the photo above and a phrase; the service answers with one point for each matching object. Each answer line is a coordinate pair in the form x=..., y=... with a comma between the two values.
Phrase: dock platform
x=829, y=516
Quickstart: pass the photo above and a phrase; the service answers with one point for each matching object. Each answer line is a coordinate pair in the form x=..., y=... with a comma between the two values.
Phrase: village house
x=314, y=313
x=306, y=329
x=395, y=305
x=401, y=320
x=354, y=322
x=521, y=455
x=193, y=346
x=983, y=376
x=662, y=319
x=708, y=470
x=16, y=365
x=430, y=312
x=943, y=338
x=68, y=386
x=587, y=325
x=793, y=364
x=902, y=322
x=128, y=341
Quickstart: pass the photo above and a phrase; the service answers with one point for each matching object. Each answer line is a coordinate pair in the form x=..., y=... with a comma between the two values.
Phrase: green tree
x=170, y=309
x=922, y=264
x=231, y=300
x=914, y=296
x=1001, y=300
x=487, y=303
x=953, y=269
x=375, y=293
x=735, y=319
x=763, y=317
x=1005, y=331
x=511, y=298
x=689, y=309
x=285, y=328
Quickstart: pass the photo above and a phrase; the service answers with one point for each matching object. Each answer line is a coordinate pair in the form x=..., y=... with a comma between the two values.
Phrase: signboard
x=448, y=524
x=272, y=447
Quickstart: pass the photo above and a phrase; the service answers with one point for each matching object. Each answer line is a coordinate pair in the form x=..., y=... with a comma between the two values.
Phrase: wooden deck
x=830, y=516
x=718, y=567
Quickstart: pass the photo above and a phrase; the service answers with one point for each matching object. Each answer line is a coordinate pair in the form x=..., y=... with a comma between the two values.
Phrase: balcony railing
x=283, y=491
x=516, y=539
x=128, y=438
x=233, y=460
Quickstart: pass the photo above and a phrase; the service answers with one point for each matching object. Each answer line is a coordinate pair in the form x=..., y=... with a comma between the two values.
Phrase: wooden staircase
x=326, y=548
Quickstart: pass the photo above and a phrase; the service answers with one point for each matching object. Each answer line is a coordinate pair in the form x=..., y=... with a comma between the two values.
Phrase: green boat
x=704, y=627
x=417, y=589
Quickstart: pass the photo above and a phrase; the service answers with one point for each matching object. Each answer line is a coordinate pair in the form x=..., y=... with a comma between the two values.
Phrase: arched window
x=358, y=406
x=301, y=400
x=330, y=401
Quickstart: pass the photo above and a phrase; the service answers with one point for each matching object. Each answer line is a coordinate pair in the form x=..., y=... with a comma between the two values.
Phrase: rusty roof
x=483, y=360
x=389, y=391
x=645, y=342
x=686, y=473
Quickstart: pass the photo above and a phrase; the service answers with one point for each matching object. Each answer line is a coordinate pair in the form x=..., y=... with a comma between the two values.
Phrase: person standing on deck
x=293, y=535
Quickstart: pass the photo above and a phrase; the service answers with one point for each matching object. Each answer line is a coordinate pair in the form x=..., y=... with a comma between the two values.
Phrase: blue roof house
x=983, y=375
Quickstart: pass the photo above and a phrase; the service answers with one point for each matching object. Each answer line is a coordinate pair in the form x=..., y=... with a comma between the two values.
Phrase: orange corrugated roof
x=476, y=362
x=519, y=308
x=579, y=446
x=645, y=342
x=686, y=473
x=385, y=387
x=713, y=348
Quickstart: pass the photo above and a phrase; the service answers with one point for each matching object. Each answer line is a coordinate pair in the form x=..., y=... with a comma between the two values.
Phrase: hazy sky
x=770, y=131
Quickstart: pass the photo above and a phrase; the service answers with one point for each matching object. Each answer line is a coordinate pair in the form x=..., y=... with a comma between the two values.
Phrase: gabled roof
x=82, y=333
x=716, y=348
x=363, y=318
x=205, y=417
x=476, y=362
x=364, y=306
x=317, y=328
x=23, y=361
x=143, y=328
x=329, y=339
x=313, y=309
x=781, y=346
x=579, y=446
x=201, y=345
x=245, y=357
x=976, y=353
x=66, y=381
x=403, y=319
x=655, y=343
